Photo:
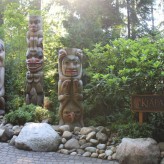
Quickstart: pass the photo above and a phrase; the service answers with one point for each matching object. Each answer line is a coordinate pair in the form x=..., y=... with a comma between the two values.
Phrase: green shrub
x=44, y=114
x=120, y=69
x=21, y=115
x=95, y=121
x=134, y=130
x=28, y=113
x=156, y=120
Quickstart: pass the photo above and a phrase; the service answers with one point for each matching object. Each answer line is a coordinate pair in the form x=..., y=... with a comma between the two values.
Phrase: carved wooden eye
x=77, y=112
x=66, y=112
x=75, y=62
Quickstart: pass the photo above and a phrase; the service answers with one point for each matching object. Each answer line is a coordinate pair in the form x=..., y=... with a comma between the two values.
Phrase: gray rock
x=101, y=156
x=109, y=158
x=90, y=135
x=9, y=126
x=67, y=135
x=6, y=134
x=94, y=141
x=82, y=137
x=63, y=140
x=101, y=146
x=61, y=146
x=90, y=149
x=85, y=145
x=101, y=137
x=64, y=128
x=77, y=130
x=16, y=129
x=82, y=141
x=108, y=152
x=101, y=151
x=80, y=151
x=73, y=153
x=12, y=141
x=85, y=130
x=94, y=155
x=64, y=151
x=138, y=151
x=87, y=154
x=114, y=156
x=113, y=148
x=72, y=144
x=38, y=137
x=100, y=128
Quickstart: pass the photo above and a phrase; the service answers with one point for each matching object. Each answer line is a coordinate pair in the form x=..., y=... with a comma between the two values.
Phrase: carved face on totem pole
x=71, y=66
x=71, y=113
x=70, y=87
x=34, y=23
x=70, y=63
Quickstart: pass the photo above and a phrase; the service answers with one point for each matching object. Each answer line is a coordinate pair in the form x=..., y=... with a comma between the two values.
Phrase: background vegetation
x=124, y=54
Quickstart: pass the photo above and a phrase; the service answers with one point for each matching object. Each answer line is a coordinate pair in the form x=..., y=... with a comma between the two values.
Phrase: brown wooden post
x=140, y=118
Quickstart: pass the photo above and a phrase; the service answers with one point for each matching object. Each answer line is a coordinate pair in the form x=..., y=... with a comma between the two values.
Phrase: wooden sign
x=147, y=103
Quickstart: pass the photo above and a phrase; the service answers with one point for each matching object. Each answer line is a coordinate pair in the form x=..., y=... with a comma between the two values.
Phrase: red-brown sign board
x=147, y=103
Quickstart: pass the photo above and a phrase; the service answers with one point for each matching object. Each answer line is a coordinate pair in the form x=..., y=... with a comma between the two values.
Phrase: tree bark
x=152, y=17
x=128, y=17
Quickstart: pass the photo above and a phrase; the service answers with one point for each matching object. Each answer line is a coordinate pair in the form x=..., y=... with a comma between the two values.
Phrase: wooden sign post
x=147, y=103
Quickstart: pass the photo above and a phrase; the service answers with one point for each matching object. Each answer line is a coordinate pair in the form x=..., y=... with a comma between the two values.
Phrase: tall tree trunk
x=152, y=17
x=128, y=16
x=133, y=19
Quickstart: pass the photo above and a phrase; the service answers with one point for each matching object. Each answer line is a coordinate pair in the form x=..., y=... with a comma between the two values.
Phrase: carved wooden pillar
x=34, y=61
x=2, y=77
x=70, y=87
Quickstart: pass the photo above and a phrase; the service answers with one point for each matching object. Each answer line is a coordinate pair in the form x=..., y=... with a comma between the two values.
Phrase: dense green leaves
x=121, y=69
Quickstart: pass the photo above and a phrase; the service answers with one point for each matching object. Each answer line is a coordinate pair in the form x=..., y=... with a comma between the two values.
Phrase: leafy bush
x=156, y=120
x=118, y=70
x=21, y=115
x=44, y=114
x=28, y=113
x=134, y=130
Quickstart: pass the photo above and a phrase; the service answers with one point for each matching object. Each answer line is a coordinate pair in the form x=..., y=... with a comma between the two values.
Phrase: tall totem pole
x=2, y=77
x=34, y=61
x=70, y=87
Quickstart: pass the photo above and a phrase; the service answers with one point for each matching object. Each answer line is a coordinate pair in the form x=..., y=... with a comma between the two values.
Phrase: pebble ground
x=11, y=155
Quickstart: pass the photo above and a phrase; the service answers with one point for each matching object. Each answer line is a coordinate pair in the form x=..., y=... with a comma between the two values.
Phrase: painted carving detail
x=70, y=87
x=34, y=61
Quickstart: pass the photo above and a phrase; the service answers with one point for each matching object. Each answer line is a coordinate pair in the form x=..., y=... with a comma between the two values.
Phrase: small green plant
x=134, y=130
x=156, y=120
x=28, y=113
x=21, y=115
x=44, y=114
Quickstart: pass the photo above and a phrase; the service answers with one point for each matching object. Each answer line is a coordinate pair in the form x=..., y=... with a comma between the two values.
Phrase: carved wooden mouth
x=71, y=72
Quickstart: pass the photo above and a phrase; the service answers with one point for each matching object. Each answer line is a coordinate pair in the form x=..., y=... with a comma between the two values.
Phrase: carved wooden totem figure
x=70, y=87
x=34, y=61
x=2, y=76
